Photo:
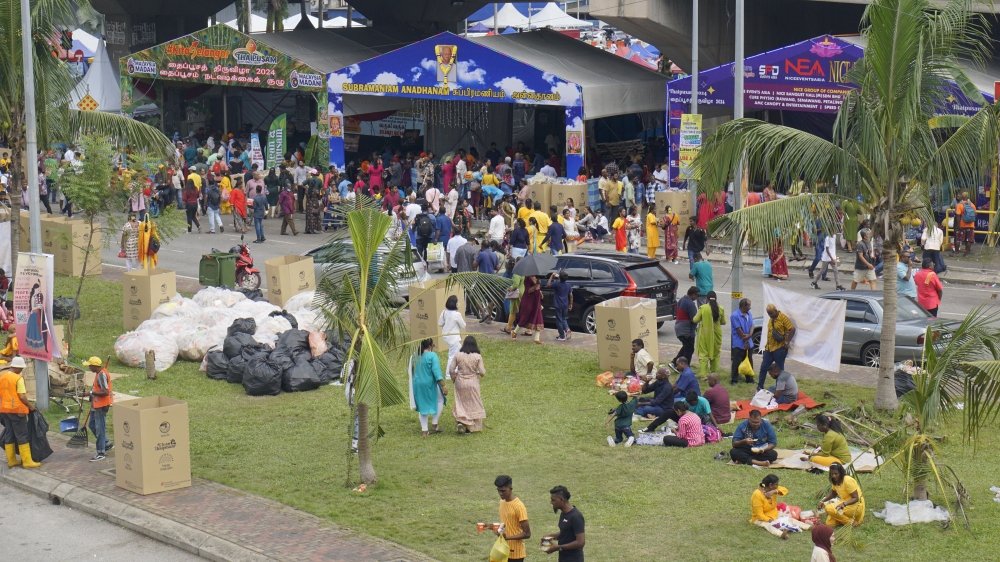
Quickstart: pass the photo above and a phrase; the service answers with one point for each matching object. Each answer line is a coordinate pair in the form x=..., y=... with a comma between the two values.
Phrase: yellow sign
x=87, y=103
x=737, y=295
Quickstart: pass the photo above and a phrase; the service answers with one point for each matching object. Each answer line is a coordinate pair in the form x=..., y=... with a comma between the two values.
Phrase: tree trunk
x=920, y=490
x=885, y=389
x=364, y=447
x=79, y=288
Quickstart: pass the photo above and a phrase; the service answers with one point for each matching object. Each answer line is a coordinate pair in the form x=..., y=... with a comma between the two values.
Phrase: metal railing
x=991, y=235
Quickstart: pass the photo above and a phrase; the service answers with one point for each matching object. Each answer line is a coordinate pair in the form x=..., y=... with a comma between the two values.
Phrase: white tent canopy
x=341, y=21
x=507, y=16
x=88, y=40
x=552, y=16
x=257, y=23
x=100, y=82
x=292, y=21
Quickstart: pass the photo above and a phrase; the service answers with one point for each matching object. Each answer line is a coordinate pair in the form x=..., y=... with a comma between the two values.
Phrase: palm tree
x=960, y=379
x=889, y=142
x=53, y=84
x=357, y=302
x=277, y=11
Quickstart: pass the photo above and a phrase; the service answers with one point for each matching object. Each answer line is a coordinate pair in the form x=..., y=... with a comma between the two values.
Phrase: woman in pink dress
x=375, y=176
x=769, y=193
x=466, y=370
x=689, y=432
x=530, y=316
x=448, y=174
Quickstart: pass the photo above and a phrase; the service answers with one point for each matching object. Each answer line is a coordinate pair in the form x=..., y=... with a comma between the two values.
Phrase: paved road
x=34, y=529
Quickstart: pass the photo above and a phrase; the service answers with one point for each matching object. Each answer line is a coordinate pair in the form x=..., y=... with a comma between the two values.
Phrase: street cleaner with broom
x=101, y=399
x=14, y=411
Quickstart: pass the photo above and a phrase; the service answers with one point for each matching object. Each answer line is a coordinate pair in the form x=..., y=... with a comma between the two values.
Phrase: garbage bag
x=294, y=340
x=261, y=379
x=252, y=349
x=38, y=428
x=183, y=308
x=317, y=343
x=242, y=326
x=328, y=366
x=131, y=347
x=287, y=316
x=903, y=382
x=236, y=370
x=281, y=359
x=301, y=301
x=308, y=320
x=917, y=511
x=62, y=308
x=216, y=365
x=217, y=297
x=233, y=345
x=268, y=330
x=254, y=295
x=301, y=377
x=194, y=343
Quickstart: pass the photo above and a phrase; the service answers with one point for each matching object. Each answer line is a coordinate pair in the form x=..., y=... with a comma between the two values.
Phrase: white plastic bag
x=309, y=320
x=301, y=301
x=184, y=308
x=920, y=511
x=218, y=297
x=268, y=330
x=193, y=343
x=131, y=349
x=761, y=399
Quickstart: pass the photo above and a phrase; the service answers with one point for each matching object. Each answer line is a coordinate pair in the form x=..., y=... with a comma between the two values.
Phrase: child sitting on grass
x=623, y=419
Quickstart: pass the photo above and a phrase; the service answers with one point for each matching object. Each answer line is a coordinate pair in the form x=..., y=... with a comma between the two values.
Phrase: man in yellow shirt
x=525, y=211
x=615, y=189
x=652, y=232
x=543, y=222
x=14, y=410
x=779, y=332
x=514, y=518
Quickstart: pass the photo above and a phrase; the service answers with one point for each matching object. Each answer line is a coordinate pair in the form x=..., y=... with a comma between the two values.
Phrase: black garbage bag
x=62, y=308
x=37, y=430
x=903, y=382
x=281, y=359
x=254, y=295
x=216, y=365
x=293, y=340
x=236, y=370
x=233, y=345
x=329, y=366
x=261, y=379
x=242, y=326
x=301, y=377
x=287, y=316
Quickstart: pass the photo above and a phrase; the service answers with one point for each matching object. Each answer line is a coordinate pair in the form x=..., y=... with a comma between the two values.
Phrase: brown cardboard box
x=142, y=291
x=682, y=202
x=619, y=321
x=50, y=233
x=28, y=373
x=426, y=307
x=288, y=276
x=71, y=237
x=575, y=191
x=540, y=193
x=152, y=447
x=24, y=243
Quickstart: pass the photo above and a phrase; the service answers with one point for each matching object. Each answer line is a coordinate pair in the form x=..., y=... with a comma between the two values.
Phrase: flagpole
x=737, y=291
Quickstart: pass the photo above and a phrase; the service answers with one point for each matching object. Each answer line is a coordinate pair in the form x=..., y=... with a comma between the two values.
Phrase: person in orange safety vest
x=101, y=398
x=14, y=409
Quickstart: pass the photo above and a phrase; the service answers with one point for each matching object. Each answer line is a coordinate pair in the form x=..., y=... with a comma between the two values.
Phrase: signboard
x=256, y=154
x=394, y=125
x=451, y=68
x=276, y=140
x=221, y=55
x=33, y=290
x=689, y=143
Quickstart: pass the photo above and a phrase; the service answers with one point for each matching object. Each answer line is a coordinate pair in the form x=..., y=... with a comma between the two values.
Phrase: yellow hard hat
x=93, y=361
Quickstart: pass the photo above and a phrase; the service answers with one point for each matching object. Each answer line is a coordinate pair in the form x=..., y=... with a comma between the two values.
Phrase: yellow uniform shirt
x=195, y=179
x=511, y=515
x=783, y=325
x=763, y=508
x=652, y=231
x=523, y=213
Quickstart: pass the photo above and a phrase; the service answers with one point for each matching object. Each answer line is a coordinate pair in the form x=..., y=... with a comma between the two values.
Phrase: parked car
x=322, y=267
x=863, y=327
x=599, y=276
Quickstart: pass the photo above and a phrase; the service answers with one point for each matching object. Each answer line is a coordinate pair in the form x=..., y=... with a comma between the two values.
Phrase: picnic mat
x=862, y=461
x=744, y=407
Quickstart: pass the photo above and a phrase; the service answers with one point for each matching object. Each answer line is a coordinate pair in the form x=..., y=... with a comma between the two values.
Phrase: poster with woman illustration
x=33, y=286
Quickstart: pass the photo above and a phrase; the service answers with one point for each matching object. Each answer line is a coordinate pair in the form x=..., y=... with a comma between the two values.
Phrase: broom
x=80, y=440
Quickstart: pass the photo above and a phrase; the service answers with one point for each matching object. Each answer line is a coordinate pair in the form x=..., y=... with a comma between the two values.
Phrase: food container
x=480, y=526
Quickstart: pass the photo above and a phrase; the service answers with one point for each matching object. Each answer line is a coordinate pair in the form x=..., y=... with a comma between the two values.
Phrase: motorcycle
x=247, y=277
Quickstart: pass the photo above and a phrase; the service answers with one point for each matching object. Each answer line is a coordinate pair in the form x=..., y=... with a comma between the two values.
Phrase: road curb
x=143, y=522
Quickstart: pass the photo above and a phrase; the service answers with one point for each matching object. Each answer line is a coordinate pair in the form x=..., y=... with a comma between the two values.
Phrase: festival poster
x=33, y=288
x=256, y=154
x=689, y=144
x=276, y=141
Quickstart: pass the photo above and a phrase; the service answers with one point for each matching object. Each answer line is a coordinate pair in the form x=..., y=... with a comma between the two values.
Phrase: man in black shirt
x=695, y=240
x=571, y=538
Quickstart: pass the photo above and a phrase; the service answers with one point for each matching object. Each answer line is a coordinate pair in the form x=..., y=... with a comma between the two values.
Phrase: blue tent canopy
x=479, y=28
x=508, y=31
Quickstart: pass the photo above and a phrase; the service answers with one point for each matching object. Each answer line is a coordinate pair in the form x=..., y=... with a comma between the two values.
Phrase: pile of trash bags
x=298, y=361
x=189, y=328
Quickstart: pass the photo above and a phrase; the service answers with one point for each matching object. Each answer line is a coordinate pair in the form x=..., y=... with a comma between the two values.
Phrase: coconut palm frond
x=781, y=219
x=124, y=130
x=981, y=395
x=966, y=152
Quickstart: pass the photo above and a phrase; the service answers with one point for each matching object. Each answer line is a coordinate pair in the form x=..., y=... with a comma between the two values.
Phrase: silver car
x=403, y=287
x=863, y=327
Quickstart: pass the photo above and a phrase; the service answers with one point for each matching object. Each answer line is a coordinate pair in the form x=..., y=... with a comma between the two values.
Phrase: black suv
x=599, y=276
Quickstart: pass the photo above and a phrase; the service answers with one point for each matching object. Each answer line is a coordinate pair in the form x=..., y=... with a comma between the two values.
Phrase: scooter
x=247, y=277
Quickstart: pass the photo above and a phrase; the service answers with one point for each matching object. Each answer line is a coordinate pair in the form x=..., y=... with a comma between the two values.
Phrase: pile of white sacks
x=187, y=328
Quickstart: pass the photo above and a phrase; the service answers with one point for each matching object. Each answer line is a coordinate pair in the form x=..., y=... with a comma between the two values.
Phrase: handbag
x=767, y=266
x=121, y=254
x=512, y=294
x=500, y=551
x=761, y=399
x=777, y=336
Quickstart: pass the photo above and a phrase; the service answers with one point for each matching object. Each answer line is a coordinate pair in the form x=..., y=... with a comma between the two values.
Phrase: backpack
x=712, y=433
x=214, y=195
x=425, y=226
x=968, y=212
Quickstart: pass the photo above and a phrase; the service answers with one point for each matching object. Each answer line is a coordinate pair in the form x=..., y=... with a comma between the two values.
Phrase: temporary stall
x=506, y=16
x=553, y=16
x=99, y=90
x=257, y=23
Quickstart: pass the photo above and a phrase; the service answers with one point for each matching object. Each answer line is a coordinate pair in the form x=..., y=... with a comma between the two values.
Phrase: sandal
x=505, y=330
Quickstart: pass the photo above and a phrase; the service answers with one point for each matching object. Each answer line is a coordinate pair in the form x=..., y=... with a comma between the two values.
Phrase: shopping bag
x=605, y=378
x=500, y=551
x=761, y=399
x=767, y=266
x=435, y=252
x=746, y=368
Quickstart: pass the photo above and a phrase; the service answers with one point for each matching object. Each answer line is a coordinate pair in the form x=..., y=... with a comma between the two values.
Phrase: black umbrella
x=535, y=264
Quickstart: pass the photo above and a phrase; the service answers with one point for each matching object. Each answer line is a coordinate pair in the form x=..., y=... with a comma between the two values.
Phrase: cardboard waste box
x=142, y=291
x=619, y=321
x=70, y=238
x=50, y=233
x=575, y=191
x=426, y=307
x=152, y=447
x=288, y=276
x=540, y=193
x=682, y=202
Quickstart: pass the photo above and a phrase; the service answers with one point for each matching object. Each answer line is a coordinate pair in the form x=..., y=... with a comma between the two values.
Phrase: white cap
x=18, y=363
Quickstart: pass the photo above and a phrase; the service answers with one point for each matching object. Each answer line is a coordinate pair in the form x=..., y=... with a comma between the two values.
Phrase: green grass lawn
x=545, y=427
